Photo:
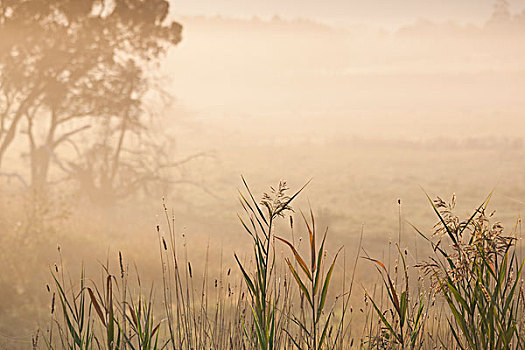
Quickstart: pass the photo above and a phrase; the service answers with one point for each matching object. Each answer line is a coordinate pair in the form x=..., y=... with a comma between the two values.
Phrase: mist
x=135, y=129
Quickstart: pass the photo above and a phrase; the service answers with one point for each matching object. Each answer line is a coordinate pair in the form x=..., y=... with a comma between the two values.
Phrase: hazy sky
x=387, y=13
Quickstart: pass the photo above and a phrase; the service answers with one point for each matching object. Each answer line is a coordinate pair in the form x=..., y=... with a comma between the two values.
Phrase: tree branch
x=185, y=160
x=67, y=135
x=16, y=176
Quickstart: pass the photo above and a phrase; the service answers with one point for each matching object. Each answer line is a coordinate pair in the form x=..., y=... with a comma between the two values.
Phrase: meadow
x=182, y=255
x=396, y=146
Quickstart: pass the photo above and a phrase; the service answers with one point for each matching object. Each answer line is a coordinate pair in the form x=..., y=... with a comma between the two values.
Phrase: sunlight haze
x=380, y=13
x=181, y=174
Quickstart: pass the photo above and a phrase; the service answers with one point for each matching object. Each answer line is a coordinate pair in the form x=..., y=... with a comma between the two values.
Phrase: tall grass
x=468, y=294
x=260, y=225
x=75, y=328
x=404, y=320
x=479, y=276
x=313, y=287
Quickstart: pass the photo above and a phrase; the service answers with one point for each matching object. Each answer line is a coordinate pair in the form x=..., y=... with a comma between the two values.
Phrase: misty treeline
x=504, y=19
x=75, y=78
x=502, y=13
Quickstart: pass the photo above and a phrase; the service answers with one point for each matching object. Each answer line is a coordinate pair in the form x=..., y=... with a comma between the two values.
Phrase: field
x=259, y=182
x=345, y=195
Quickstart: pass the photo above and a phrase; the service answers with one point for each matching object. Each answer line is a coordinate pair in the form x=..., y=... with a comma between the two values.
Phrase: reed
x=477, y=271
x=259, y=224
x=468, y=294
x=404, y=321
x=313, y=287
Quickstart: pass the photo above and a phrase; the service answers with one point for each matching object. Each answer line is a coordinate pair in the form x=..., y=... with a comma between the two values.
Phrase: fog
x=298, y=70
x=375, y=108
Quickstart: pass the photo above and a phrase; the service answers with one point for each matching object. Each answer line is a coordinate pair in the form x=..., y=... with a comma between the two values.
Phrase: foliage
x=404, y=327
x=479, y=277
x=475, y=300
x=260, y=225
x=70, y=67
x=75, y=329
x=314, y=288
x=80, y=308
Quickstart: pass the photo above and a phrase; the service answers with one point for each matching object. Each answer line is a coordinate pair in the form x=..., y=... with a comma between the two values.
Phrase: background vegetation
x=108, y=107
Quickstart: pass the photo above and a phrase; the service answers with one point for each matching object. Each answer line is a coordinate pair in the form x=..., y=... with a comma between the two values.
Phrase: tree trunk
x=40, y=160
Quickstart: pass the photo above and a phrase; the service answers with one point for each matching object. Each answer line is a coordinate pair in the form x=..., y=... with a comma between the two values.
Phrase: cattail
x=53, y=304
x=121, y=265
x=189, y=269
x=48, y=289
x=164, y=244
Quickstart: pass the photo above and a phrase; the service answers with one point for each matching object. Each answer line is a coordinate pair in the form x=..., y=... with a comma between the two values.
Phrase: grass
x=313, y=287
x=405, y=320
x=468, y=294
x=479, y=277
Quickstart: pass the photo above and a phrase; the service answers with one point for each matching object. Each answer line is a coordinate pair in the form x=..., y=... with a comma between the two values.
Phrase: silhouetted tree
x=69, y=66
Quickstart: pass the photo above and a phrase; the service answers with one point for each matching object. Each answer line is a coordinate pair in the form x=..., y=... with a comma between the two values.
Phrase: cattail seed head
x=121, y=264
x=53, y=304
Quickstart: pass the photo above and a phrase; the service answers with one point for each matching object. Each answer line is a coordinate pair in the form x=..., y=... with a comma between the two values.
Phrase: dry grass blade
x=391, y=289
x=97, y=306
